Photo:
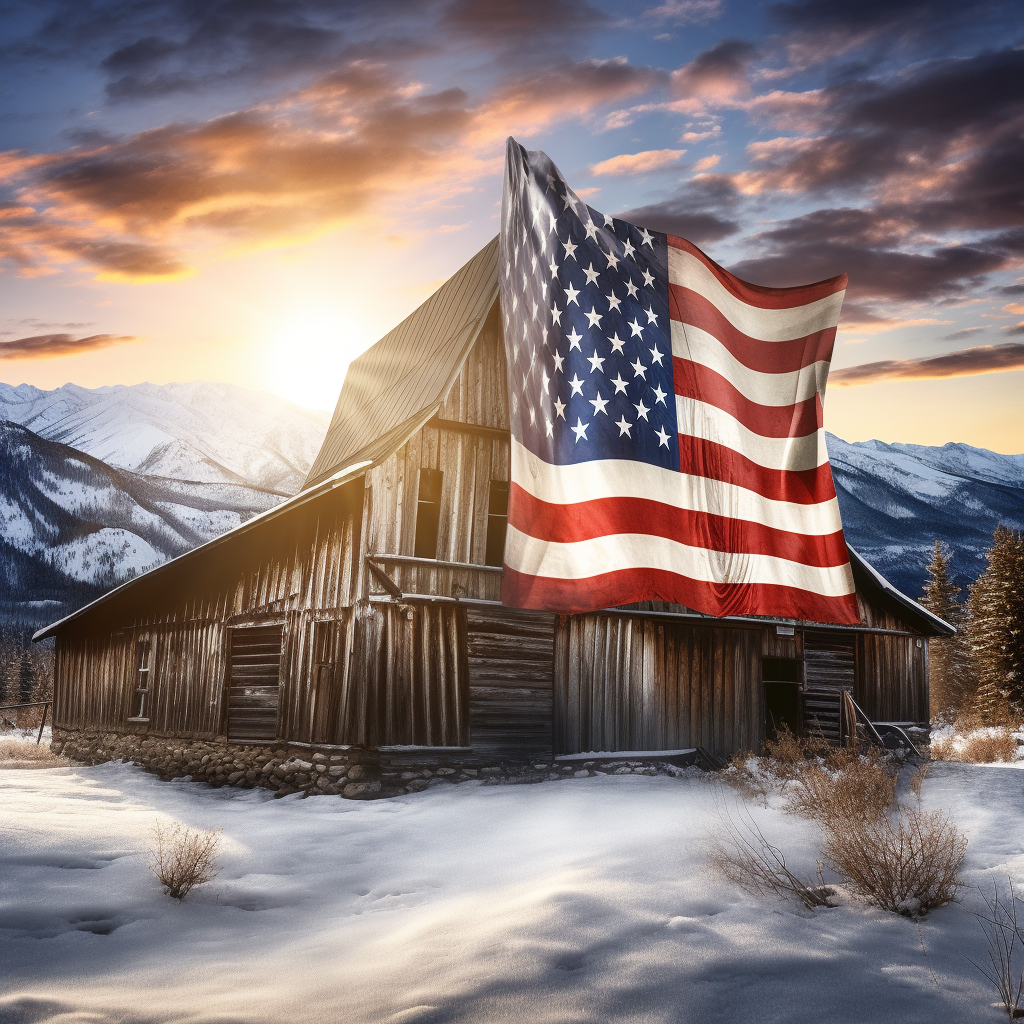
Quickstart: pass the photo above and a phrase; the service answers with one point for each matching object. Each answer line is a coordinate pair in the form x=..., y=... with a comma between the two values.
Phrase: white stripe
x=586, y=558
x=623, y=478
x=764, y=324
x=774, y=389
x=793, y=454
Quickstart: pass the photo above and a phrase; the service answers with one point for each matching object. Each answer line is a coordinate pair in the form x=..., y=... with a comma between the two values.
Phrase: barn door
x=253, y=682
x=829, y=669
x=511, y=666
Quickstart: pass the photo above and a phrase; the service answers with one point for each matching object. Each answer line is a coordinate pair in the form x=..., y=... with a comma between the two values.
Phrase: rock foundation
x=355, y=773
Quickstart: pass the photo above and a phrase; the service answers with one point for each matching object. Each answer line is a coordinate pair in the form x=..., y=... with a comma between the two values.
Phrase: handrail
x=859, y=711
x=45, y=704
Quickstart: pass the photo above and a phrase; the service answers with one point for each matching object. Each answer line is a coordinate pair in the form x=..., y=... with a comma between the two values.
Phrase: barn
x=356, y=631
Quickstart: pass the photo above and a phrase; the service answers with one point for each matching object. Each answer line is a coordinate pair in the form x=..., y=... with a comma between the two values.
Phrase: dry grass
x=183, y=857
x=1005, y=934
x=907, y=861
x=984, y=746
x=846, y=786
x=16, y=749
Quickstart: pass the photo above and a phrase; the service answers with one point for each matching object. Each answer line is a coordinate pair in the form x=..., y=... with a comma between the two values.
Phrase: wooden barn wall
x=299, y=570
x=892, y=678
x=410, y=677
x=469, y=461
x=630, y=683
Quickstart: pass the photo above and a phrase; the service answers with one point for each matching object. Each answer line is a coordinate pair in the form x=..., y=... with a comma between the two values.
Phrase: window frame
x=143, y=674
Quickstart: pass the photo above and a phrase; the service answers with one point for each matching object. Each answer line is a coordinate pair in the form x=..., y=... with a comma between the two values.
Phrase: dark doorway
x=782, y=677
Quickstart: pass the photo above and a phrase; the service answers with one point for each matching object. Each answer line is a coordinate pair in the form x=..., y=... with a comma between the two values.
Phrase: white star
x=636, y=329
x=596, y=362
x=639, y=370
x=553, y=219
x=544, y=334
x=659, y=394
x=576, y=384
x=620, y=384
x=551, y=182
x=648, y=279
x=591, y=230
x=624, y=427
x=566, y=201
x=593, y=318
x=580, y=430
x=547, y=427
x=572, y=198
x=535, y=308
x=569, y=248
x=613, y=301
x=641, y=410
x=591, y=274
x=662, y=438
x=632, y=289
x=545, y=380
x=598, y=403
x=613, y=260
x=608, y=221
x=656, y=355
x=574, y=340
x=627, y=249
x=533, y=415
x=648, y=238
x=616, y=343
x=554, y=267
x=556, y=314
x=570, y=294
x=559, y=408
x=652, y=317
x=558, y=361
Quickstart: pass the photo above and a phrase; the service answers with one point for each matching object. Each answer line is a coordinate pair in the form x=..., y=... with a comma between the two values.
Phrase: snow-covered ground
x=574, y=901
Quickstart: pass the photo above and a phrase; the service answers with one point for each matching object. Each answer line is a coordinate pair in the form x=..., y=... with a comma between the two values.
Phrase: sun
x=308, y=352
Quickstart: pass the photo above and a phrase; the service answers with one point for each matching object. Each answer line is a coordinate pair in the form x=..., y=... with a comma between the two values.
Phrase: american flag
x=667, y=438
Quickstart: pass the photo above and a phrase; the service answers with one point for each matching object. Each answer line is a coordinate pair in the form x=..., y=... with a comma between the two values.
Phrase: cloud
x=969, y=361
x=699, y=210
x=48, y=346
x=638, y=163
x=684, y=12
x=966, y=332
x=716, y=75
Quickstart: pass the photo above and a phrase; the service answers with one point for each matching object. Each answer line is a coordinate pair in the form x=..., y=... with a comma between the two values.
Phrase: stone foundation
x=356, y=773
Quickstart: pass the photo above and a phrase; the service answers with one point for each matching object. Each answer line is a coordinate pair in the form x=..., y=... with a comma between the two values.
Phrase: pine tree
x=996, y=635
x=952, y=683
x=26, y=679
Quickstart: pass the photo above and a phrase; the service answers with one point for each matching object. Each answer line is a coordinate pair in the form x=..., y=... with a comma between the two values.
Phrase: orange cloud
x=967, y=362
x=638, y=163
x=47, y=346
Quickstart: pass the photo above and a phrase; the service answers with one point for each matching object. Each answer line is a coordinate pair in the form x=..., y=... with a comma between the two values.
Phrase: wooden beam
x=495, y=433
x=431, y=563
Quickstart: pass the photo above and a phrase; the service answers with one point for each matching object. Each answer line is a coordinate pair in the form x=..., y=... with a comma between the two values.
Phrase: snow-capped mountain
x=212, y=433
x=71, y=526
x=898, y=499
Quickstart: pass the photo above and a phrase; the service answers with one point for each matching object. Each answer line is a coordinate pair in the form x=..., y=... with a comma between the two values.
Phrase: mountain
x=71, y=527
x=898, y=499
x=210, y=433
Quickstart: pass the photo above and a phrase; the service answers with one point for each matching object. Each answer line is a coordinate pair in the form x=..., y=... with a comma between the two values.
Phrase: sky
x=254, y=191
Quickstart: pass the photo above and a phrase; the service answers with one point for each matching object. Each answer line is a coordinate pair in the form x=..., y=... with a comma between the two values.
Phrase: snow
x=583, y=900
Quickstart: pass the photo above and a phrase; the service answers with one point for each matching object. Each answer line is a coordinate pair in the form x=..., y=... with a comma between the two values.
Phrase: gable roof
x=402, y=379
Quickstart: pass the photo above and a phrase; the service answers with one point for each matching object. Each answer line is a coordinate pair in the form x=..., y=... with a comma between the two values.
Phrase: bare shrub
x=846, y=786
x=981, y=746
x=1003, y=931
x=907, y=862
x=183, y=857
x=742, y=854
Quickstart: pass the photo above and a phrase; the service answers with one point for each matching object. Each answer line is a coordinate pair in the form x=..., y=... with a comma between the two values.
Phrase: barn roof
x=396, y=386
x=402, y=379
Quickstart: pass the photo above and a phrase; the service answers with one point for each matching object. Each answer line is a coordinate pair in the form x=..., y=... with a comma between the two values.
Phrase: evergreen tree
x=26, y=679
x=996, y=634
x=952, y=684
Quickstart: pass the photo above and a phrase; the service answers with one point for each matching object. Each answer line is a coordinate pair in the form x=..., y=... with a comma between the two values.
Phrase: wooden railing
x=44, y=704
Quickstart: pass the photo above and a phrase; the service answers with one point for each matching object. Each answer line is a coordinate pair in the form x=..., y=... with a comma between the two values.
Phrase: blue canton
x=584, y=300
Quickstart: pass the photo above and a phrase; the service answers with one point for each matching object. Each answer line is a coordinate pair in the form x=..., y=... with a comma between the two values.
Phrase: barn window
x=497, y=520
x=428, y=512
x=143, y=681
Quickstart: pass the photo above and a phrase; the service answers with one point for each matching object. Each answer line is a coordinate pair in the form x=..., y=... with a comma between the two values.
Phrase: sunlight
x=308, y=354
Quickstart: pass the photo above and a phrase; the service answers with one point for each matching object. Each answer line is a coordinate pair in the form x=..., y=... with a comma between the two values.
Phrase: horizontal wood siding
x=829, y=660
x=254, y=676
x=510, y=660
x=630, y=683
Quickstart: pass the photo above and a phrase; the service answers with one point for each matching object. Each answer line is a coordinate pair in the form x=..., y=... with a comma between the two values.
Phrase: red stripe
x=757, y=295
x=520, y=590
x=601, y=517
x=689, y=307
x=695, y=380
x=717, y=462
